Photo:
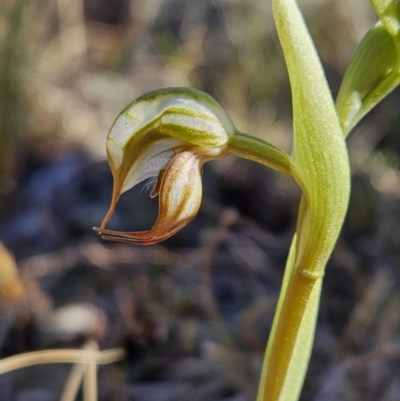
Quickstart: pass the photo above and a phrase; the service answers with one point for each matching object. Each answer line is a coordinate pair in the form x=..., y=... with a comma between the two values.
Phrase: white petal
x=155, y=158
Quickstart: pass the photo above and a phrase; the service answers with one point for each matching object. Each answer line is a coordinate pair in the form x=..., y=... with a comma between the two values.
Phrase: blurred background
x=193, y=313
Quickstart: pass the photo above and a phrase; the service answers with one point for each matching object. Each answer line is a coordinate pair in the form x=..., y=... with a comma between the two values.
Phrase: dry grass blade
x=60, y=356
x=73, y=383
x=75, y=378
x=90, y=379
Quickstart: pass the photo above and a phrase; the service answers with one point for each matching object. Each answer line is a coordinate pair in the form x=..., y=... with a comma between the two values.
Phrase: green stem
x=297, y=336
x=293, y=309
x=286, y=278
x=260, y=151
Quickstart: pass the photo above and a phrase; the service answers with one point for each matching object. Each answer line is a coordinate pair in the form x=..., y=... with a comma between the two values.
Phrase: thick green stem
x=293, y=309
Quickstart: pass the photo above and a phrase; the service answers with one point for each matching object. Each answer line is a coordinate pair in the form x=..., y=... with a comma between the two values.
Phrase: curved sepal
x=179, y=188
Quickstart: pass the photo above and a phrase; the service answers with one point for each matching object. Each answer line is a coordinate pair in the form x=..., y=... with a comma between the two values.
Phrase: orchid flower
x=165, y=137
